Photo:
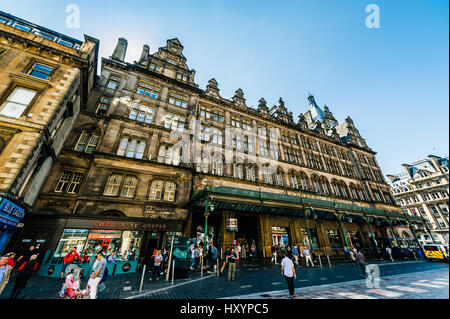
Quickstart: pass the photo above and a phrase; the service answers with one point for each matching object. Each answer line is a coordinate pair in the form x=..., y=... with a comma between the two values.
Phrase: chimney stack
x=120, y=50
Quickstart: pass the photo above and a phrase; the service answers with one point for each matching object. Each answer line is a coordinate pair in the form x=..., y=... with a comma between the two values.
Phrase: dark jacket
x=27, y=268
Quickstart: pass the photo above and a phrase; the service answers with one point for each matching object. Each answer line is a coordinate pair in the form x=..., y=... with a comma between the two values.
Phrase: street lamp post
x=307, y=212
x=342, y=228
x=209, y=207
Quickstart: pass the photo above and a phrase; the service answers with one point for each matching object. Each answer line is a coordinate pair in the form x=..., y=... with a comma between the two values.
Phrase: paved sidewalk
x=251, y=278
x=431, y=284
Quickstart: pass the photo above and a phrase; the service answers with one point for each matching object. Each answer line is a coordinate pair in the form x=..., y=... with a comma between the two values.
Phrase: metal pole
x=173, y=271
x=342, y=229
x=221, y=253
x=217, y=269
x=309, y=233
x=329, y=263
x=320, y=261
x=170, y=259
x=201, y=272
x=142, y=278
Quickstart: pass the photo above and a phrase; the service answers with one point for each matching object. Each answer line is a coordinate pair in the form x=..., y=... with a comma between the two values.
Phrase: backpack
x=105, y=275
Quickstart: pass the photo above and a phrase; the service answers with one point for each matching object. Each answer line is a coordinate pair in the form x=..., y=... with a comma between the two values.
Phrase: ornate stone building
x=45, y=79
x=422, y=190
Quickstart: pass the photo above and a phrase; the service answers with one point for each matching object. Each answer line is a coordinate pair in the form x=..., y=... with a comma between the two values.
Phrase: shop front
x=125, y=243
x=11, y=213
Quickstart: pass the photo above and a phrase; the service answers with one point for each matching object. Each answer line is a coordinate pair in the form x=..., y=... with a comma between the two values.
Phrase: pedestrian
x=361, y=261
x=68, y=259
x=156, y=269
x=295, y=253
x=227, y=253
x=352, y=257
x=389, y=252
x=165, y=259
x=27, y=255
x=253, y=250
x=11, y=257
x=289, y=253
x=244, y=251
x=193, y=258
x=214, y=256
x=25, y=272
x=231, y=259
x=308, y=258
x=5, y=272
x=238, y=251
x=299, y=249
x=288, y=271
x=96, y=276
x=274, y=254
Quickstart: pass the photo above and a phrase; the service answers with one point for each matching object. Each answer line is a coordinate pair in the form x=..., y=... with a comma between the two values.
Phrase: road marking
x=303, y=280
x=127, y=288
x=438, y=282
x=408, y=289
x=246, y=286
x=426, y=285
x=323, y=278
x=353, y=295
x=385, y=293
x=170, y=287
x=276, y=283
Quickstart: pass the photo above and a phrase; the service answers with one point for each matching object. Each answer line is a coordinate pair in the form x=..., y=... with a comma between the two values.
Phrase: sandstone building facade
x=422, y=190
x=45, y=79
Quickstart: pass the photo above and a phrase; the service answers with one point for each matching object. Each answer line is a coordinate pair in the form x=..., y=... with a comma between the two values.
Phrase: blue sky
x=392, y=81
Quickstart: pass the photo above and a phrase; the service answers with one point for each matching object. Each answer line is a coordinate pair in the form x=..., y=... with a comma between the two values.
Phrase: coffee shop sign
x=130, y=225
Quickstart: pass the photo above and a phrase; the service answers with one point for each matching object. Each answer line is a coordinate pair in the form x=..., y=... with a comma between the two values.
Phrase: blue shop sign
x=10, y=213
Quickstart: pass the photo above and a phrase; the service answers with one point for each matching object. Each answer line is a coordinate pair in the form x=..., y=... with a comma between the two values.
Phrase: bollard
x=142, y=279
x=320, y=262
x=329, y=263
x=217, y=269
x=201, y=271
x=173, y=270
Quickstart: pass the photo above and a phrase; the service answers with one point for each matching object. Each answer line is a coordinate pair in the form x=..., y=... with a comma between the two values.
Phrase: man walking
x=295, y=253
x=308, y=258
x=96, y=275
x=156, y=269
x=214, y=255
x=361, y=261
x=231, y=259
x=288, y=271
x=389, y=252
x=5, y=272
x=274, y=254
x=68, y=259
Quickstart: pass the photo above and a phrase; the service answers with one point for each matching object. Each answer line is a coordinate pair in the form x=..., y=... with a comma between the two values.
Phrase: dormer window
x=171, y=61
x=182, y=77
x=155, y=67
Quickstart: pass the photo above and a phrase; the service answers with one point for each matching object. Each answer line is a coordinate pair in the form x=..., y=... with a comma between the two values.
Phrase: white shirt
x=287, y=267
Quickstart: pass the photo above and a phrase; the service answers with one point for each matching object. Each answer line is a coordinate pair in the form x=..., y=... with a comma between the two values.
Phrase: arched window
x=294, y=182
x=267, y=175
x=87, y=142
x=251, y=173
x=156, y=189
x=217, y=167
x=316, y=185
x=238, y=171
x=279, y=178
x=343, y=188
x=325, y=187
x=129, y=187
x=131, y=148
x=360, y=193
x=304, y=181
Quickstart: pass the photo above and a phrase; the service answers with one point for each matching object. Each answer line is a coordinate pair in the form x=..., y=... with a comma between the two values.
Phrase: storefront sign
x=123, y=225
x=10, y=213
x=232, y=224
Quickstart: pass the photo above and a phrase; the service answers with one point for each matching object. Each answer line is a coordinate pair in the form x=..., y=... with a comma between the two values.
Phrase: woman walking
x=25, y=272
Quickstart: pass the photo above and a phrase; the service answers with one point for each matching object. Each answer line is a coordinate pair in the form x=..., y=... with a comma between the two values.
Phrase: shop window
x=334, y=238
x=69, y=182
x=113, y=185
x=310, y=238
x=280, y=236
x=354, y=239
x=87, y=142
x=17, y=102
x=71, y=238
